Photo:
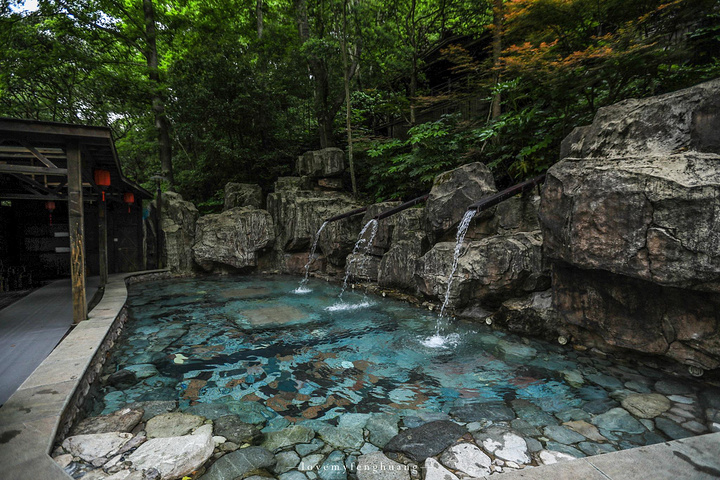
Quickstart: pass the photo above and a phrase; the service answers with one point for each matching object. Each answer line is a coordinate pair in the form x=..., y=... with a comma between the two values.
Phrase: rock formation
x=233, y=238
x=452, y=193
x=178, y=229
x=631, y=222
x=243, y=195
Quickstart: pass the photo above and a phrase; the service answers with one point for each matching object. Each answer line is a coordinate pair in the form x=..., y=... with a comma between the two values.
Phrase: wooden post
x=102, y=223
x=77, y=232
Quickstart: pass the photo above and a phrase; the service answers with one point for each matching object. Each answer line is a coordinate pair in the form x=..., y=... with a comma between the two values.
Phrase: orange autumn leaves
x=550, y=37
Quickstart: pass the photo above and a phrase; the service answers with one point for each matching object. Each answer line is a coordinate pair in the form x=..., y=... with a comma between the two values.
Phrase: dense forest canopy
x=207, y=92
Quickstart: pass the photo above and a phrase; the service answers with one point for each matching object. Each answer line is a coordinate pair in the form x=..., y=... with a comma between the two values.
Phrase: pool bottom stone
x=519, y=402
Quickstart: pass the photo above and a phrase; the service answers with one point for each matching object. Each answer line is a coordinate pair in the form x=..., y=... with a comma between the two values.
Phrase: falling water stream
x=438, y=340
x=373, y=224
x=302, y=288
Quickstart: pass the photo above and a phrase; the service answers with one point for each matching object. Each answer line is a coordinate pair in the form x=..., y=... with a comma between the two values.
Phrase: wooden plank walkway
x=31, y=328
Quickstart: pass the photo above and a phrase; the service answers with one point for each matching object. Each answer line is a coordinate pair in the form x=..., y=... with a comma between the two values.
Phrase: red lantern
x=129, y=198
x=50, y=206
x=102, y=180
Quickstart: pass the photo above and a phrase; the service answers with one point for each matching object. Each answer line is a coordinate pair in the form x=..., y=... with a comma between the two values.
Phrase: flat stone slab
x=175, y=457
x=468, y=459
x=646, y=405
x=235, y=430
x=123, y=420
x=426, y=440
x=96, y=445
x=172, y=424
x=435, y=471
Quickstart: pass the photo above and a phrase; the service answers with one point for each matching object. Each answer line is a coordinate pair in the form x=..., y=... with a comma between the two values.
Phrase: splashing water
x=302, y=288
x=373, y=224
x=438, y=340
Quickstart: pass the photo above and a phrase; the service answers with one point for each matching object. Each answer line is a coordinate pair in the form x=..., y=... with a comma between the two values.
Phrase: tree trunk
x=348, y=106
x=413, y=88
x=259, y=14
x=496, y=52
x=158, y=105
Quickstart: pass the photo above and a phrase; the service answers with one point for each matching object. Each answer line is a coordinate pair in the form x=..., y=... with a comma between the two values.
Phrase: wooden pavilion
x=66, y=209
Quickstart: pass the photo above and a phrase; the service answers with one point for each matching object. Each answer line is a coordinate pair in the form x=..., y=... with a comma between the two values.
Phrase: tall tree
x=318, y=34
x=158, y=104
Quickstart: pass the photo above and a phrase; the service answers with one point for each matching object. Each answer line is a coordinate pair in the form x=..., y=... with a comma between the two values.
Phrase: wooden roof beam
x=6, y=168
x=43, y=159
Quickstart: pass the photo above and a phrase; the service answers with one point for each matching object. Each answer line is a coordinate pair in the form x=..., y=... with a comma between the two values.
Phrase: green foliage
x=242, y=108
x=405, y=169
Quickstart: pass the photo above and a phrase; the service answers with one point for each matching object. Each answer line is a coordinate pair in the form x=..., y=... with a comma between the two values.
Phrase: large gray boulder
x=397, y=267
x=381, y=241
x=232, y=238
x=298, y=215
x=451, y=195
x=328, y=162
x=606, y=310
x=655, y=218
x=243, y=195
x=532, y=315
x=177, y=222
x=489, y=271
x=516, y=214
x=362, y=267
x=293, y=184
x=631, y=227
x=685, y=119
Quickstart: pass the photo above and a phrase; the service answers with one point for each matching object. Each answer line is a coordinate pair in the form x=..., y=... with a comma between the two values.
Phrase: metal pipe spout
x=494, y=199
x=401, y=207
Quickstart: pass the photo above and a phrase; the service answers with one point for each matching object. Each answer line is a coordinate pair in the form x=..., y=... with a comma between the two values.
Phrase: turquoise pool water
x=252, y=343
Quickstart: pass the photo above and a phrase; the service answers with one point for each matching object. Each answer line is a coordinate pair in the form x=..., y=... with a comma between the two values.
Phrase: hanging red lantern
x=50, y=207
x=102, y=180
x=129, y=198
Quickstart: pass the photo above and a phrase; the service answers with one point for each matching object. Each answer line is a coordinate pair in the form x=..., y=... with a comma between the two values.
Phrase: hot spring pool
x=250, y=346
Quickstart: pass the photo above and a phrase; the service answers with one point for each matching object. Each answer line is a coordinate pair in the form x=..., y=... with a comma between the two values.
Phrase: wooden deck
x=31, y=327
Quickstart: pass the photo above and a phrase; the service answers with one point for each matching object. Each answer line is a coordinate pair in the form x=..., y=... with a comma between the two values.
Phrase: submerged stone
x=286, y=461
x=559, y=447
x=342, y=437
x=646, y=405
x=563, y=435
x=672, y=429
x=235, y=430
x=618, y=420
x=585, y=429
x=275, y=441
x=382, y=428
x=480, y=412
x=592, y=448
